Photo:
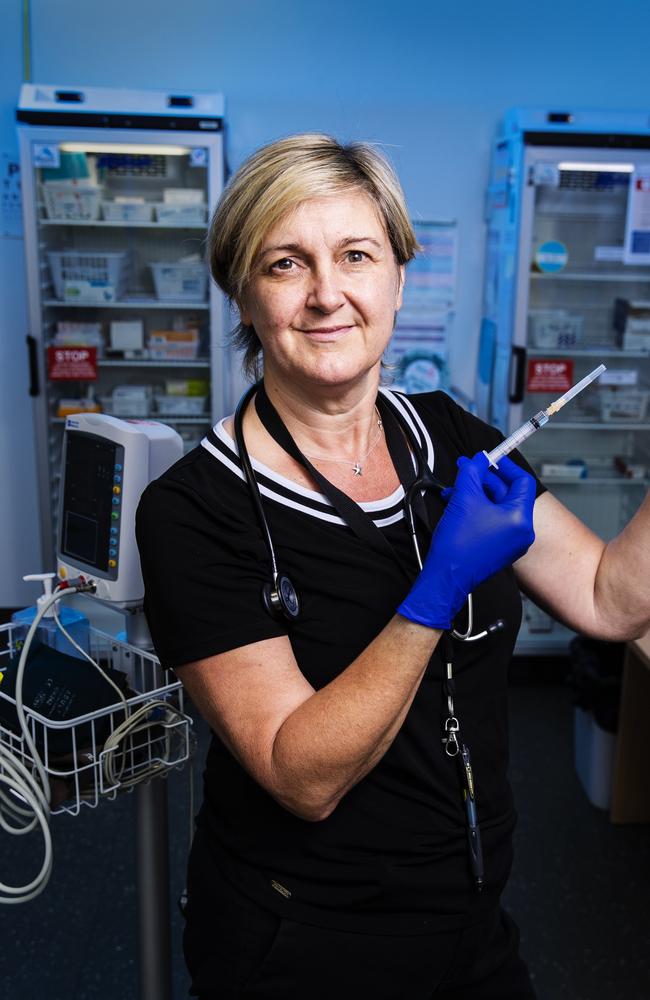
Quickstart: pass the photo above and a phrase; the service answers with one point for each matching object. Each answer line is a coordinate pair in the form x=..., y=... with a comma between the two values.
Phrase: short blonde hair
x=277, y=179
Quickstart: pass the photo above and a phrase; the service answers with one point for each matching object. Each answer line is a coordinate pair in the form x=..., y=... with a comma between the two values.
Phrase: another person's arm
x=599, y=589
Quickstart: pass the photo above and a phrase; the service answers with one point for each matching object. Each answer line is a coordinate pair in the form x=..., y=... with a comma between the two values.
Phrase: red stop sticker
x=72, y=364
x=549, y=375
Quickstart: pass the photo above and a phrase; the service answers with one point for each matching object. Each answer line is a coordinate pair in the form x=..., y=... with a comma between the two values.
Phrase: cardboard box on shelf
x=127, y=335
x=173, y=344
x=632, y=323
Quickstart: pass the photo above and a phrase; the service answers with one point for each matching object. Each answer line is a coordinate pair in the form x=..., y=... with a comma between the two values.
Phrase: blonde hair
x=274, y=181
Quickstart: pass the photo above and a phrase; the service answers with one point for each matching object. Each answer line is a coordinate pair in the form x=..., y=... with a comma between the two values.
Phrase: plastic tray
x=618, y=403
x=70, y=200
x=127, y=211
x=180, y=406
x=554, y=328
x=181, y=215
x=180, y=282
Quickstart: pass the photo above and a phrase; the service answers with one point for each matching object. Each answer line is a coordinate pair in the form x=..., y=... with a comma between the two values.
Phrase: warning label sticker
x=549, y=375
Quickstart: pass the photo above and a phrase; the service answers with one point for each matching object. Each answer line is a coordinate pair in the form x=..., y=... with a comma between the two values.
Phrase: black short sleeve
x=204, y=563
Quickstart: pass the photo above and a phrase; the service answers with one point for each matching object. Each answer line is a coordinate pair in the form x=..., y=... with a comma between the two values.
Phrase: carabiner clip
x=452, y=745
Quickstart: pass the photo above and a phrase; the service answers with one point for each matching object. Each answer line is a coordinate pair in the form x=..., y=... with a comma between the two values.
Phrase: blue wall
x=428, y=79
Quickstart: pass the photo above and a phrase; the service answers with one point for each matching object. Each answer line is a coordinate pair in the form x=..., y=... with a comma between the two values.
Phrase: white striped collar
x=291, y=494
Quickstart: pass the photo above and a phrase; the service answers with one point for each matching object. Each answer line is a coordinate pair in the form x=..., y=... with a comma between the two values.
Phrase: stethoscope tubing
x=424, y=480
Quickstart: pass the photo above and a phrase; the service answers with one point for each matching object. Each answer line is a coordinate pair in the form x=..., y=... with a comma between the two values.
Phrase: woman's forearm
x=335, y=737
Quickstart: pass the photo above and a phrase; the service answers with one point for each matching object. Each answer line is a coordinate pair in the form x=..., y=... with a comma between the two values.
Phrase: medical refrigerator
x=117, y=190
x=567, y=286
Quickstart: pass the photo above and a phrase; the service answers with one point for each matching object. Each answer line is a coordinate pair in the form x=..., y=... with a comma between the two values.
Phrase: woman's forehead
x=347, y=214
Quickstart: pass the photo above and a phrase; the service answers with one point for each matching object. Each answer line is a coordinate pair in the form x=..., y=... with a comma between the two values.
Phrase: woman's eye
x=284, y=264
x=355, y=256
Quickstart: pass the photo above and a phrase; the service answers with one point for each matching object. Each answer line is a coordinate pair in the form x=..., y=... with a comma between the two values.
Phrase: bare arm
x=308, y=748
x=602, y=590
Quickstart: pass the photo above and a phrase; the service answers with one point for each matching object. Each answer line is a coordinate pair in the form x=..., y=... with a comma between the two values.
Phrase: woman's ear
x=400, y=287
x=244, y=313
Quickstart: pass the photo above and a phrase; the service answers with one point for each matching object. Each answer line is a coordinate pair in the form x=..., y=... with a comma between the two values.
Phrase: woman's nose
x=325, y=290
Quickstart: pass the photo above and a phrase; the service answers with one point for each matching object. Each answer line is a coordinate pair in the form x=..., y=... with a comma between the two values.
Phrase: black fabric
x=393, y=854
x=237, y=950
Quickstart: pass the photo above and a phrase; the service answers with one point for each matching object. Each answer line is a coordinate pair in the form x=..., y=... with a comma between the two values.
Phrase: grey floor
x=580, y=888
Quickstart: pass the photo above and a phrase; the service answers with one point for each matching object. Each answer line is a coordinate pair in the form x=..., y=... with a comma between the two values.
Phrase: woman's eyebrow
x=297, y=248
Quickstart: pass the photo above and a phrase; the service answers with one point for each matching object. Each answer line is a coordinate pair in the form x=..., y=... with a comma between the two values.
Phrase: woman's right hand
x=487, y=525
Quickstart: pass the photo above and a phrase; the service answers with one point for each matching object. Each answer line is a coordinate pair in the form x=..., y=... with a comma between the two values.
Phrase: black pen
x=473, y=832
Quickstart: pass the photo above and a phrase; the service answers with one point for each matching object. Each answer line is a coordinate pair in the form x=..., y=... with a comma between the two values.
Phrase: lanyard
x=365, y=529
x=357, y=519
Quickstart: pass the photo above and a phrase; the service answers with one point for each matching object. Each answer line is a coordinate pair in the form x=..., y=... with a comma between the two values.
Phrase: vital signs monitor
x=106, y=465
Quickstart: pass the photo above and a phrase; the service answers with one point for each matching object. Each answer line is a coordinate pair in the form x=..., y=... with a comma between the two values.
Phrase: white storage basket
x=554, y=328
x=89, y=275
x=71, y=200
x=180, y=406
x=180, y=282
x=181, y=215
x=623, y=403
x=127, y=211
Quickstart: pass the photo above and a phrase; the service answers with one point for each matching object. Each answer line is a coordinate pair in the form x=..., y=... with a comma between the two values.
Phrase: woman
x=338, y=848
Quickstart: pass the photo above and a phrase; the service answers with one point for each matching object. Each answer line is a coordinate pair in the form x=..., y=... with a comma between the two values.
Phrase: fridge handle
x=34, y=388
x=517, y=374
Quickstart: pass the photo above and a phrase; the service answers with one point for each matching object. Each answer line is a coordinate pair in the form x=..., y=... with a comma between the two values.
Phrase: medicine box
x=127, y=335
x=168, y=345
x=632, y=323
x=554, y=328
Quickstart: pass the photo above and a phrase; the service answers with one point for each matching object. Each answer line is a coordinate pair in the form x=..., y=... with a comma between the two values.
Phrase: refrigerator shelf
x=586, y=352
x=148, y=363
x=104, y=224
x=589, y=276
x=134, y=303
x=597, y=425
x=613, y=480
x=162, y=418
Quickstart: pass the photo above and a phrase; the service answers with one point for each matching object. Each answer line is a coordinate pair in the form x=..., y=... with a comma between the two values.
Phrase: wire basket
x=74, y=751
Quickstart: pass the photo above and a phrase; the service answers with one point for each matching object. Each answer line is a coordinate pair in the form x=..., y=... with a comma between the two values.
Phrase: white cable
x=31, y=789
x=28, y=794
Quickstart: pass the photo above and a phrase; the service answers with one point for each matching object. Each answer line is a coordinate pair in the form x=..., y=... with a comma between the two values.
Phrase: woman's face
x=324, y=292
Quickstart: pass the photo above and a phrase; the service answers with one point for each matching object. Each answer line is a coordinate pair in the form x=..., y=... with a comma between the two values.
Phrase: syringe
x=541, y=418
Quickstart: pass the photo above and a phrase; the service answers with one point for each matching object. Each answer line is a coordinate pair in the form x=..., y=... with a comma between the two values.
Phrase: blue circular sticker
x=551, y=256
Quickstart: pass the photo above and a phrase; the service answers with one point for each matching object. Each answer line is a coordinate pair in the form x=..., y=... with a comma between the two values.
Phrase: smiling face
x=324, y=292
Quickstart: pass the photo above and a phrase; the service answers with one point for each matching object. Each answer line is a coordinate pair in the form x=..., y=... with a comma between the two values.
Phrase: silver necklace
x=357, y=467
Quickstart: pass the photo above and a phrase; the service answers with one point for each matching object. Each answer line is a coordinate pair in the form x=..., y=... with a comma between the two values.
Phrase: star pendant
x=356, y=468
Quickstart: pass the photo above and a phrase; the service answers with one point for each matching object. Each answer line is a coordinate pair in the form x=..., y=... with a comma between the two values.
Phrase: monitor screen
x=89, y=528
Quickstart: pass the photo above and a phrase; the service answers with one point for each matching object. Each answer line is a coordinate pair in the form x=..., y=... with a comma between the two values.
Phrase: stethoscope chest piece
x=280, y=598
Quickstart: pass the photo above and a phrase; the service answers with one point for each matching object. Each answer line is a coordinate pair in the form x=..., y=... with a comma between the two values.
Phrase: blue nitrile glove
x=487, y=524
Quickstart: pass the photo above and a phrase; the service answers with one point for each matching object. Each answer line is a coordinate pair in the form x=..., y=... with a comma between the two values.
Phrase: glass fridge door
x=123, y=313
x=583, y=299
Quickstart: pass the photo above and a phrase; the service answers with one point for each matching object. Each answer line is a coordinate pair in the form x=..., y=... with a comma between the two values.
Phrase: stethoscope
x=281, y=601
x=279, y=595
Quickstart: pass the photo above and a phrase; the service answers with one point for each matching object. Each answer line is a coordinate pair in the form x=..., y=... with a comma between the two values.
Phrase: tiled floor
x=579, y=889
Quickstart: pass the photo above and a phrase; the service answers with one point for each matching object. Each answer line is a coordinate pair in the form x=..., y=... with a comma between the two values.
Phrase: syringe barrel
x=517, y=437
